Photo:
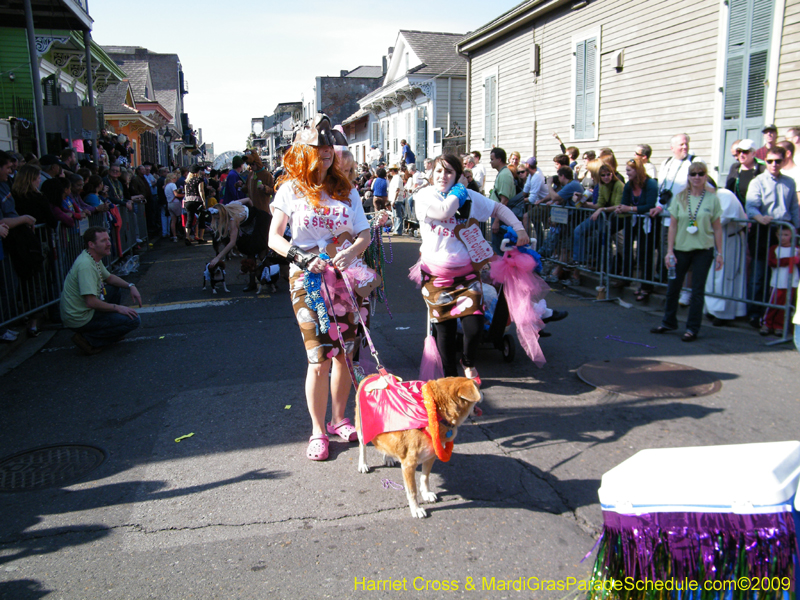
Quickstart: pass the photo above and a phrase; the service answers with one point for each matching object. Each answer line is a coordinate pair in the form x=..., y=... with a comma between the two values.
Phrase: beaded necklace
x=375, y=258
x=692, y=228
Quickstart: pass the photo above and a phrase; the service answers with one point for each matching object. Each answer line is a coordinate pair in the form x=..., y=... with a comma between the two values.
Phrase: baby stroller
x=496, y=329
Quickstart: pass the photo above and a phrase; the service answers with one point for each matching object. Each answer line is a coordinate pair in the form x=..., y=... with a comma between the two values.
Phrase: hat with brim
x=392, y=168
x=746, y=145
x=769, y=128
x=320, y=133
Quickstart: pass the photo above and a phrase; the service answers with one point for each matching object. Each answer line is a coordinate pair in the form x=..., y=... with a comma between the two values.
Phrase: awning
x=66, y=50
x=58, y=14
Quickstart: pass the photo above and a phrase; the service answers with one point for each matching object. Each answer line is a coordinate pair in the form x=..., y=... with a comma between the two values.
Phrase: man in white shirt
x=643, y=153
x=397, y=200
x=417, y=179
x=535, y=188
x=374, y=156
x=478, y=170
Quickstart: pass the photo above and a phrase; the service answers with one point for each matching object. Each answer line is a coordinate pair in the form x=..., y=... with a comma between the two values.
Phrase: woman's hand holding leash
x=343, y=259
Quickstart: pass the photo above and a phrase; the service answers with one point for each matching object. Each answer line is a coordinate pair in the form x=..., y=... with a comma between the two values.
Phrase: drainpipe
x=38, y=102
x=449, y=100
x=87, y=40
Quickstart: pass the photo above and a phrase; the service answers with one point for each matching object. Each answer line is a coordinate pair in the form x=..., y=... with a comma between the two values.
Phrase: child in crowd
x=784, y=259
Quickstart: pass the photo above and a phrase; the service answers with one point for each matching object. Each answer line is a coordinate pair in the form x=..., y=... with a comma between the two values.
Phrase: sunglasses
x=774, y=161
x=696, y=174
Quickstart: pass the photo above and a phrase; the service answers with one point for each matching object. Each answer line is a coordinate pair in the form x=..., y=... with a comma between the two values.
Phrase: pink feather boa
x=522, y=289
x=341, y=303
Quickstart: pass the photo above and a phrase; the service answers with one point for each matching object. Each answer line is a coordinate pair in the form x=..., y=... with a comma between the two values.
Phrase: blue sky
x=242, y=59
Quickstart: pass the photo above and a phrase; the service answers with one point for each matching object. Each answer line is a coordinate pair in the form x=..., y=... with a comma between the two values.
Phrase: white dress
x=731, y=280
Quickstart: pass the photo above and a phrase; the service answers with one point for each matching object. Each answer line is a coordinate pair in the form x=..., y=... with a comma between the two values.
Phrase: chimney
x=343, y=73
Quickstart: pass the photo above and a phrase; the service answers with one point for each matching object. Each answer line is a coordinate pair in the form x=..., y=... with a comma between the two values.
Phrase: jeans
x=497, y=239
x=583, y=232
x=107, y=327
x=399, y=212
x=699, y=261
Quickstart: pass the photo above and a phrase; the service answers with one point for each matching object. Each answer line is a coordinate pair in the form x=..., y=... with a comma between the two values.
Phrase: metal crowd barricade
x=568, y=236
x=632, y=248
x=637, y=245
x=760, y=274
x=20, y=298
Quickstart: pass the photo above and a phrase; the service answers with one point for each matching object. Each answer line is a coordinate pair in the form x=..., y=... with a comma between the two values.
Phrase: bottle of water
x=671, y=271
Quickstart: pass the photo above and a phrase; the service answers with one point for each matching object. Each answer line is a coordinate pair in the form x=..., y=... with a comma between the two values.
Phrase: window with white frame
x=490, y=108
x=585, y=85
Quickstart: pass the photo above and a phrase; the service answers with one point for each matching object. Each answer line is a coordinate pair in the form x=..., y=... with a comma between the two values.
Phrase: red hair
x=301, y=164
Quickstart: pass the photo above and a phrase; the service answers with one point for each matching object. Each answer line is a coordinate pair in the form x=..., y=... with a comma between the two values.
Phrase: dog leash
x=380, y=368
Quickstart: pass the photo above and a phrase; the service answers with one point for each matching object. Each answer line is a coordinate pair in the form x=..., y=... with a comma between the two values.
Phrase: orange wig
x=301, y=166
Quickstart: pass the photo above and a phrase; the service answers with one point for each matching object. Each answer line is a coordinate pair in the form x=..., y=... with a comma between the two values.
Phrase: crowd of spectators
x=633, y=195
x=761, y=187
x=40, y=194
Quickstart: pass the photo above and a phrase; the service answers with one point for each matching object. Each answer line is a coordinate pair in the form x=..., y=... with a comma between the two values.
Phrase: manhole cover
x=51, y=466
x=649, y=378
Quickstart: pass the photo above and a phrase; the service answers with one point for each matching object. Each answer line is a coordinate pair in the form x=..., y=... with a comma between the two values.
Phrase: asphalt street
x=237, y=511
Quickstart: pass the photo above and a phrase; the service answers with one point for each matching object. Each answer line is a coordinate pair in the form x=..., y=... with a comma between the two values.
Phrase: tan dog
x=455, y=398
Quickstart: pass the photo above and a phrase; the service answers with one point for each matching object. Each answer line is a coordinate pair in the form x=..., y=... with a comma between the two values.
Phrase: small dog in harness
x=215, y=275
x=414, y=422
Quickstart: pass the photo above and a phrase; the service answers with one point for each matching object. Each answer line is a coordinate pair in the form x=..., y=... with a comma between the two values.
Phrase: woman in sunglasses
x=694, y=234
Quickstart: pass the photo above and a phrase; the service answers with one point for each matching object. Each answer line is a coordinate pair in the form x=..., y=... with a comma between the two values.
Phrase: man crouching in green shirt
x=86, y=307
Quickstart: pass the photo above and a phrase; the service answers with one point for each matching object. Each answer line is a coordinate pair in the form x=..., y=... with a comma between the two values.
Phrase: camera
x=664, y=196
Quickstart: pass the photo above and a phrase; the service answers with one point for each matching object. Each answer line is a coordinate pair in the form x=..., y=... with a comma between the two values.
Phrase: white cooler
x=712, y=513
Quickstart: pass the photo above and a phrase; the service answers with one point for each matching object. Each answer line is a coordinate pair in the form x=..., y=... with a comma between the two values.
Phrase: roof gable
x=436, y=53
x=118, y=99
x=139, y=77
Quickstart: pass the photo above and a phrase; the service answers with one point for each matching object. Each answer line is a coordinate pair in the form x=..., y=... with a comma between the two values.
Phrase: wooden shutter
x=580, y=80
x=746, y=65
x=585, y=88
x=490, y=111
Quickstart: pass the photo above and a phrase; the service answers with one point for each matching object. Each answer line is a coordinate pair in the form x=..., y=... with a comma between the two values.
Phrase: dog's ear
x=450, y=393
x=469, y=391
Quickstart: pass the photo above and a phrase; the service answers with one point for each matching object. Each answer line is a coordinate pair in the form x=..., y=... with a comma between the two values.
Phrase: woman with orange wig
x=320, y=205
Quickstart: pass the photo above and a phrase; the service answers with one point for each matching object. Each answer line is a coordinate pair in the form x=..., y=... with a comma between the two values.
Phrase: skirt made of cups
x=452, y=297
x=321, y=346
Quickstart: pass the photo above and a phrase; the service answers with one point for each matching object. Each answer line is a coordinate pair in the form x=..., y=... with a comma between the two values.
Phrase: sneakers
x=139, y=241
x=174, y=239
x=9, y=336
x=557, y=315
x=685, y=298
